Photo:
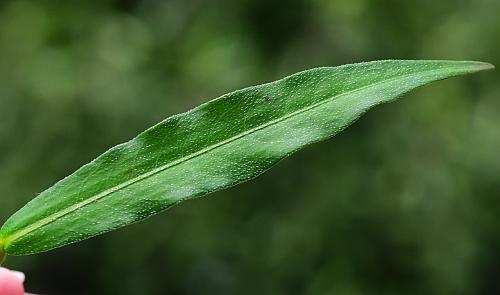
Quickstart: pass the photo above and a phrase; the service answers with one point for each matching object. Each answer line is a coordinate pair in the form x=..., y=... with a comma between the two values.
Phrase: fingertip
x=11, y=282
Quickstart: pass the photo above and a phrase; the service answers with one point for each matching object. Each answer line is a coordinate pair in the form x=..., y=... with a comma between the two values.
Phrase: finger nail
x=19, y=275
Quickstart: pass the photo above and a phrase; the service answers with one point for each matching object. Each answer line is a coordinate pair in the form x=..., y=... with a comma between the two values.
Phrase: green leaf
x=214, y=146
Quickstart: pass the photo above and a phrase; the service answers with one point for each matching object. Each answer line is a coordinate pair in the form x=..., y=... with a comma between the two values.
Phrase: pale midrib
x=51, y=218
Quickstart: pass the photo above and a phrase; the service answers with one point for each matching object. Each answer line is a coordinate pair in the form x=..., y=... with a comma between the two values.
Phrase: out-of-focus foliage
x=412, y=205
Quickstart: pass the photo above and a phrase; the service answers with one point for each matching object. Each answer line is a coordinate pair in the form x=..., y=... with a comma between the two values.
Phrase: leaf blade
x=219, y=144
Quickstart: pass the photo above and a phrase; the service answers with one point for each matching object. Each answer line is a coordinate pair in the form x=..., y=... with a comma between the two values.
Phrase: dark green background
x=405, y=201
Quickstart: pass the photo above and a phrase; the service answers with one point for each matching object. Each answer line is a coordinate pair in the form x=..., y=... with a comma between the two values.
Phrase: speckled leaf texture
x=219, y=144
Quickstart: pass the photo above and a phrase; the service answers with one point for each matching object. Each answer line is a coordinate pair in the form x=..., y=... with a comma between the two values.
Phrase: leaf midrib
x=55, y=216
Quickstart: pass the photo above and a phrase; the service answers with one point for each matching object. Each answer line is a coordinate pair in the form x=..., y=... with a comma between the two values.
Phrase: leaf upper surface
x=219, y=144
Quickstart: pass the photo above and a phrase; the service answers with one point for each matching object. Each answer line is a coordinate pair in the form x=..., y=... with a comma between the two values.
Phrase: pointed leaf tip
x=484, y=66
x=489, y=66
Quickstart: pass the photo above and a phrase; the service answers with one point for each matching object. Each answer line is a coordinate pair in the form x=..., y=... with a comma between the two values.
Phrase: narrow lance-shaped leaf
x=214, y=146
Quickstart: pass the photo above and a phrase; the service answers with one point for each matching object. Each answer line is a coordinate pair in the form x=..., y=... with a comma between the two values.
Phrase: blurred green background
x=405, y=201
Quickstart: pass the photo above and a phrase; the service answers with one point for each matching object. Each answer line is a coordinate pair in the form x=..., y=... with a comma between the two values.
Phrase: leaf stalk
x=3, y=255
